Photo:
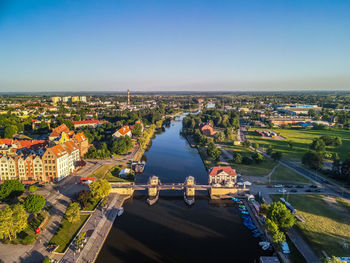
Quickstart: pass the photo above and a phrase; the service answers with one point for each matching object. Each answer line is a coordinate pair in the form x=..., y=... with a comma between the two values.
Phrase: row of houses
x=42, y=160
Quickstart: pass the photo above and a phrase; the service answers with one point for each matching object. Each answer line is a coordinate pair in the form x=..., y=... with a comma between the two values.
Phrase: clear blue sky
x=213, y=45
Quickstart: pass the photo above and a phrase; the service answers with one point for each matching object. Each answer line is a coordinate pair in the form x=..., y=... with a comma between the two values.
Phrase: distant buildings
x=88, y=123
x=123, y=131
x=68, y=98
x=297, y=109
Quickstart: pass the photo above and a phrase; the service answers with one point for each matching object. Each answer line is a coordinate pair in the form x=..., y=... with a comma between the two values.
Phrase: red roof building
x=224, y=175
x=206, y=129
x=88, y=123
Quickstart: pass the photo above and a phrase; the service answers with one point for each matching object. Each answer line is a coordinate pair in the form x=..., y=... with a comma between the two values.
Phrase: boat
x=188, y=200
x=120, y=211
x=245, y=212
x=139, y=166
x=285, y=248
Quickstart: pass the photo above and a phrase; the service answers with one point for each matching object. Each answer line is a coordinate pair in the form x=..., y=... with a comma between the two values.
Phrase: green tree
x=10, y=189
x=6, y=223
x=213, y=151
x=255, y=145
x=345, y=169
x=290, y=144
x=34, y=203
x=73, y=212
x=100, y=188
x=46, y=260
x=257, y=157
x=19, y=219
x=137, y=130
x=277, y=235
x=32, y=188
x=84, y=197
x=313, y=160
x=281, y=216
x=237, y=158
x=333, y=259
x=219, y=137
x=269, y=150
x=10, y=131
x=246, y=144
x=318, y=145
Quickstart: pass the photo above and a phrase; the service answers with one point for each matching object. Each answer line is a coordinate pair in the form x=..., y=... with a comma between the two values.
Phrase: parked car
x=294, y=190
x=270, y=186
x=313, y=186
x=282, y=190
x=278, y=185
x=318, y=190
x=308, y=190
x=299, y=186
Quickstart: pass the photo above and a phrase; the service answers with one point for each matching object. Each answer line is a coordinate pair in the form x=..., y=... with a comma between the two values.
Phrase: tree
x=121, y=145
x=84, y=197
x=100, y=188
x=313, y=160
x=34, y=203
x=333, y=259
x=10, y=189
x=19, y=219
x=277, y=235
x=10, y=131
x=257, y=157
x=246, y=144
x=213, y=151
x=281, y=216
x=46, y=260
x=237, y=158
x=345, y=169
x=318, y=145
x=219, y=137
x=73, y=212
x=276, y=156
x=32, y=188
x=255, y=145
x=290, y=144
x=264, y=208
x=137, y=130
x=12, y=221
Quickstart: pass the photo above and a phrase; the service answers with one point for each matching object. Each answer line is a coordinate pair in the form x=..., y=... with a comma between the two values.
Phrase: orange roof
x=58, y=150
x=218, y=169
x=81, y=137
x=57, y=131
x=89, y=122
x=124, y=130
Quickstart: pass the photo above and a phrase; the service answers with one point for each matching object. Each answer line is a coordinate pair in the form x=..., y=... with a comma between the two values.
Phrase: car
x=299, y=186
x=270, y=186
x=282, y=190
x=318, y=190
x=308, y=190
x=278, y=185
x=288, y=186
x=294, y=190
x=313, y=186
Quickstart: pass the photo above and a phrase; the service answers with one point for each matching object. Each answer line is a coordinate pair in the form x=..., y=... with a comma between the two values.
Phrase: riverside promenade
x=97, y=229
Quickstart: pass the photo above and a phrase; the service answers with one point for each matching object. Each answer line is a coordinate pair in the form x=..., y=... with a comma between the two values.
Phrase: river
x=170, y=231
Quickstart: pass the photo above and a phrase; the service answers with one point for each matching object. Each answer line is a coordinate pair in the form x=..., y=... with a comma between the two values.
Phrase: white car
x=282, y=190
x=278, y=185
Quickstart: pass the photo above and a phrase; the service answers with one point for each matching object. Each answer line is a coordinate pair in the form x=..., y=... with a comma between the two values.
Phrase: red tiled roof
x=218, y=169
x=81, y=137
x=57, y=131
x=124, y=130
x=89, y=122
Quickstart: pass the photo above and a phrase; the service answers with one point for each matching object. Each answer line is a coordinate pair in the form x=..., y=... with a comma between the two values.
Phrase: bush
x=32, y=188
x=73, y=212
x=34, y=203
x=237, y=158
x=257, y=157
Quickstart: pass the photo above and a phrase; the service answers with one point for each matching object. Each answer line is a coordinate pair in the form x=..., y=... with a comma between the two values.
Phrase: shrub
x=32, y=188
x=34, y=203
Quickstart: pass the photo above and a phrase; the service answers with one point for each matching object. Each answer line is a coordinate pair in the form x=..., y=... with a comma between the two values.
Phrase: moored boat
x=188, y=200
x=120, y=211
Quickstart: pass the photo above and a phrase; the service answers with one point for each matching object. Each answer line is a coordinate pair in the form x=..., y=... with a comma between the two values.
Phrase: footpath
x=97, y=228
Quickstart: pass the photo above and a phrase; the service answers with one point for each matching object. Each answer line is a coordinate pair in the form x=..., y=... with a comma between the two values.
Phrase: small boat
x=239, y=202
x=139, y=166
x=285, y=248
x=257, y=235
x=120, y=211
x=245, y=212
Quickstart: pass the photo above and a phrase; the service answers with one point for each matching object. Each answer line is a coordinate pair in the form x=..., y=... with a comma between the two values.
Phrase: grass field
x=327, y=225
x=100, y=172
x=254, y=169
x=66, y=233
x=284, y=173
x=109, y=172
x=301, y=138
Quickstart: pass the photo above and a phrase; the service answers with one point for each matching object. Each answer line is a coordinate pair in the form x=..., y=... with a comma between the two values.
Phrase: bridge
x=154, y=186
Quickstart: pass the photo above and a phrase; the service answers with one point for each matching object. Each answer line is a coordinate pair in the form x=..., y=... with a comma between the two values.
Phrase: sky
x=218, y=45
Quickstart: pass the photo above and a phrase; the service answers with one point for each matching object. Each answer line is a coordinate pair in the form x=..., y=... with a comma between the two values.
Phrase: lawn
x=66, y=233
x=285, y=174
x=261, y=169
x=100, y=172
x=301, y=138
x=327, y=225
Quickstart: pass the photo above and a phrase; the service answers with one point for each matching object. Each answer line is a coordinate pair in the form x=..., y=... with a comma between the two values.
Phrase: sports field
x=301, y=138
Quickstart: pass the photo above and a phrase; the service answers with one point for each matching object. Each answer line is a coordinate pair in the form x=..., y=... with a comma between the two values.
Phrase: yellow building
x=55, y=99
x=75, y=99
